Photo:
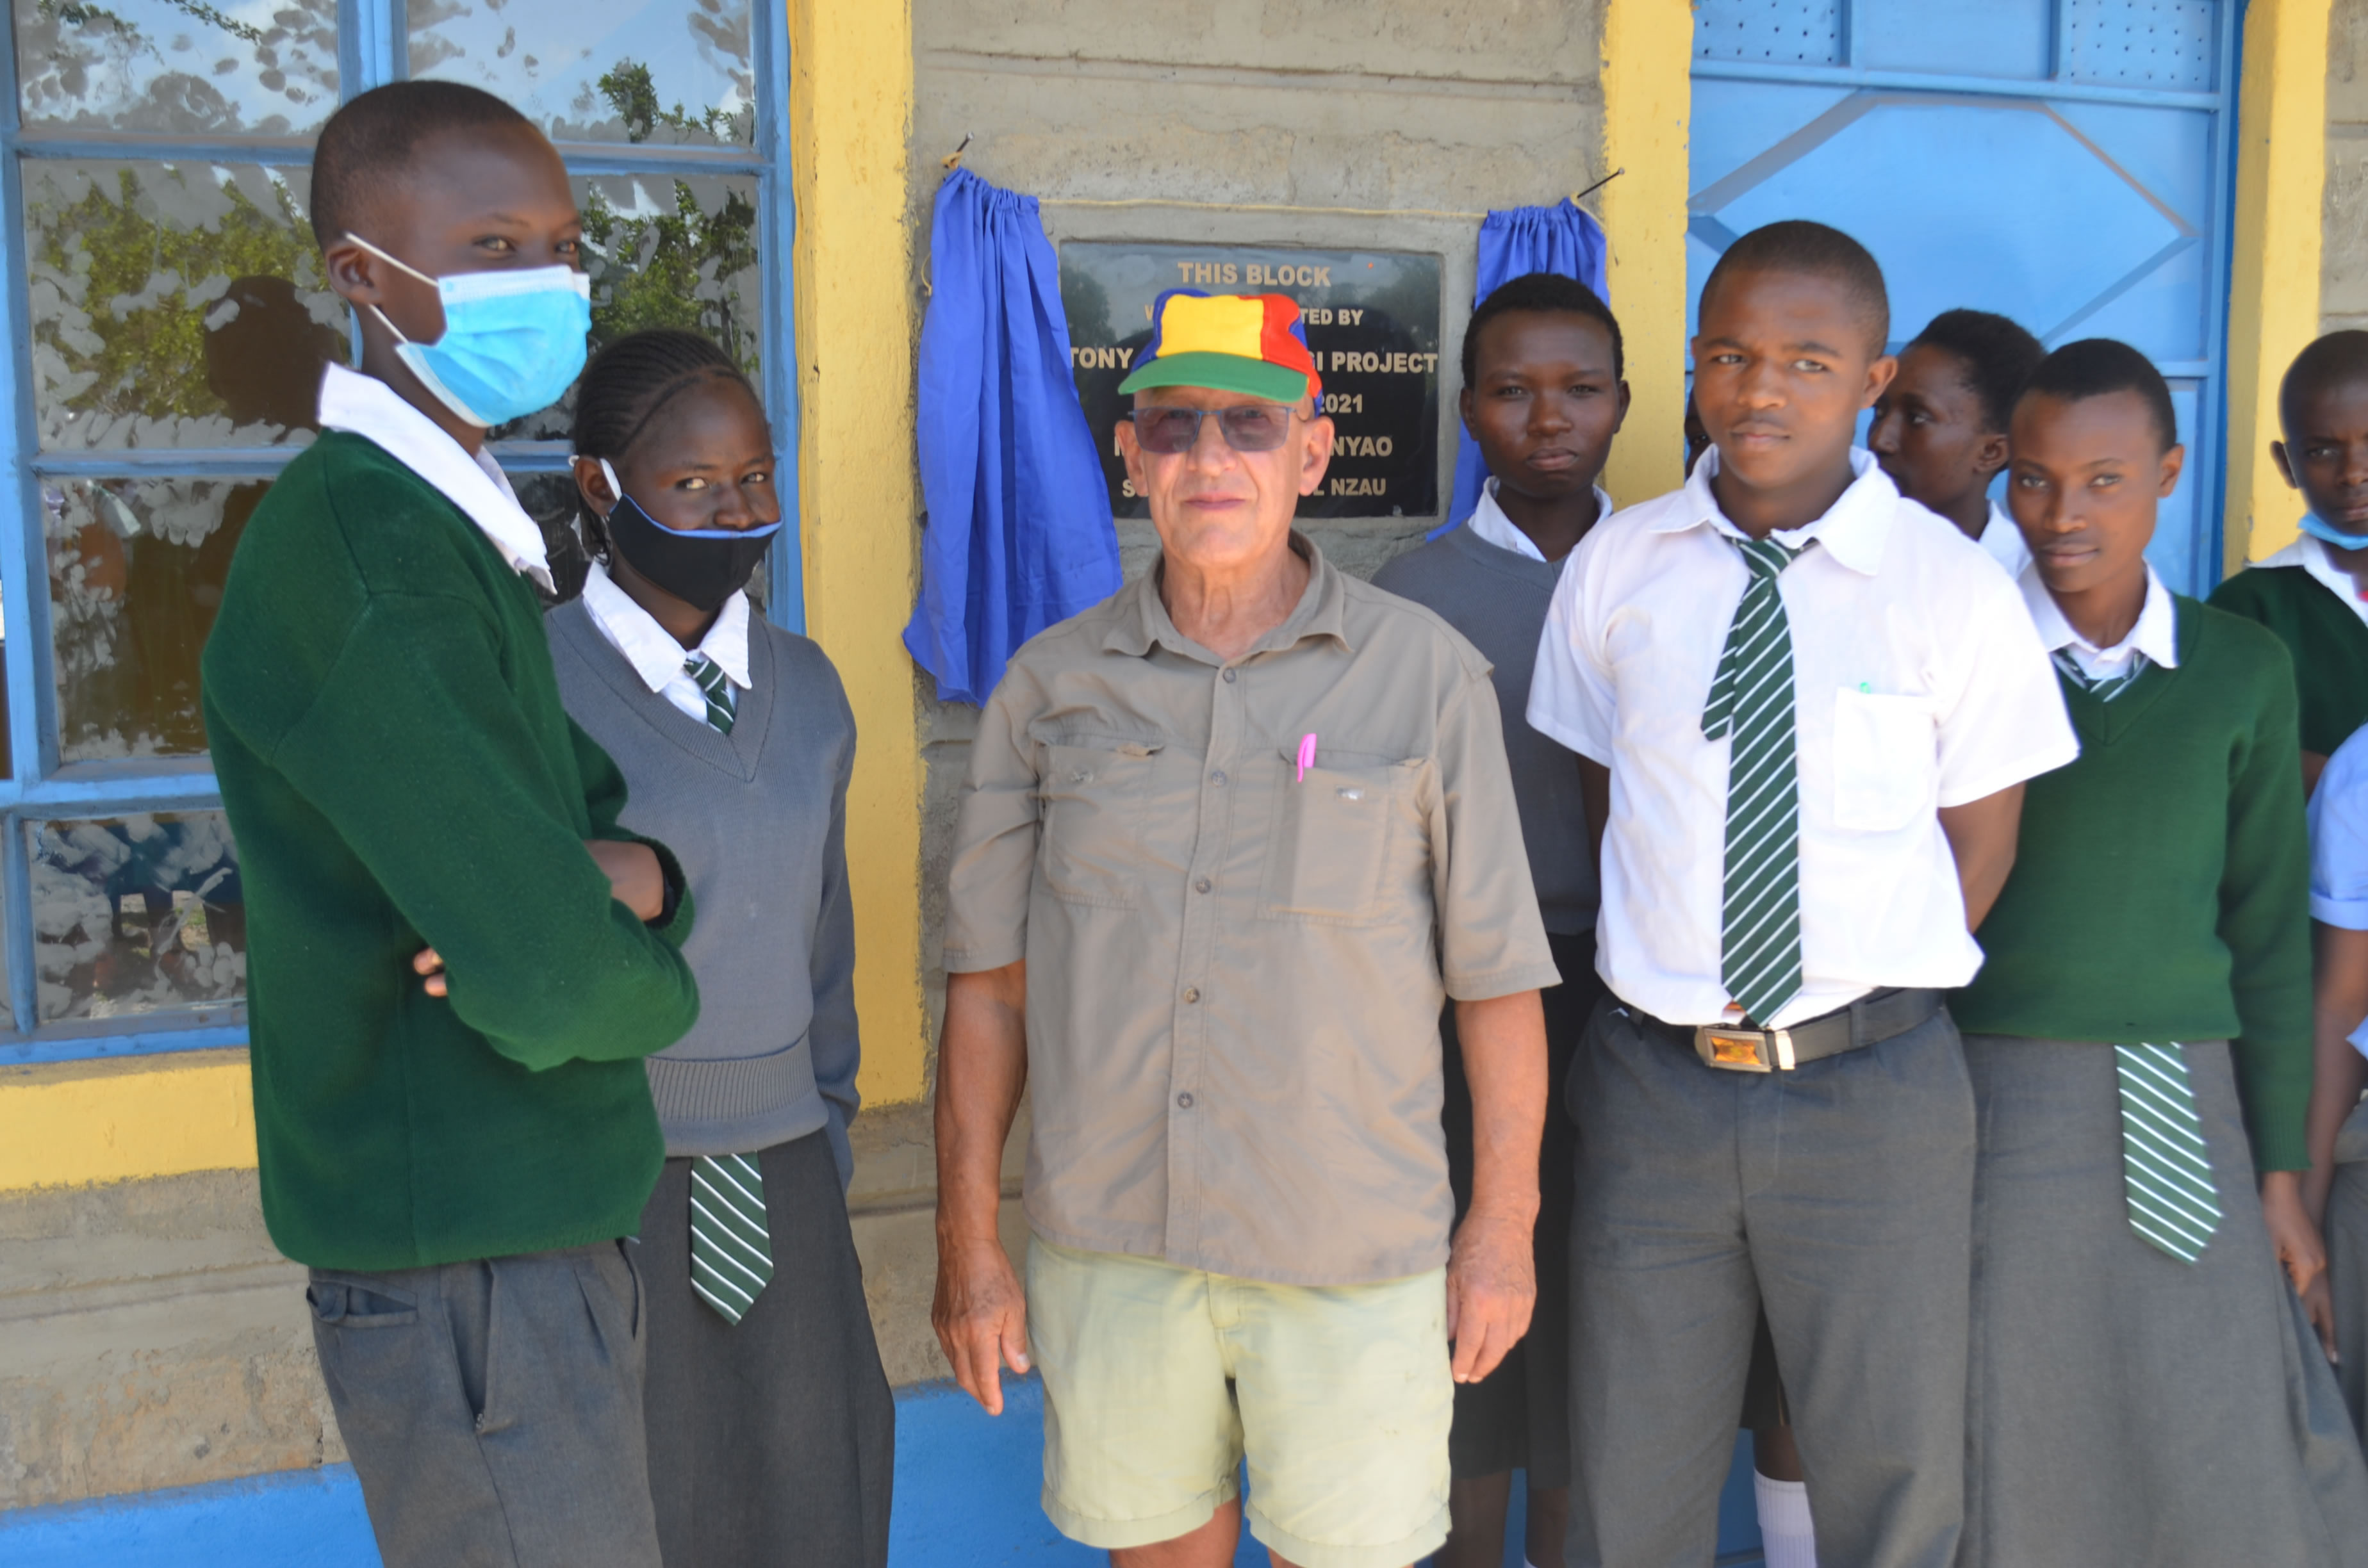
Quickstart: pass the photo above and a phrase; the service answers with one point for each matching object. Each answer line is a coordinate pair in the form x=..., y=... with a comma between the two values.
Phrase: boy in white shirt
x=1804, y=717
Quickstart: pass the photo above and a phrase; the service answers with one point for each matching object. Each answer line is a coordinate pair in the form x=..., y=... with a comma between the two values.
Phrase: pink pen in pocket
x=1306, y=757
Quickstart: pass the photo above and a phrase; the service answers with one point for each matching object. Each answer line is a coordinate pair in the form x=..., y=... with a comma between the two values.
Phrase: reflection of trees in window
x=130, y=270
x=675, y=269
x=178, y=66
x=136, y=914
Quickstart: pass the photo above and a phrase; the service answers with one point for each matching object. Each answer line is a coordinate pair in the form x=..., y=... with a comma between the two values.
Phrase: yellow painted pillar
x=2273, y=281
x=850, y=104
x=75, y=1123
x=1647, y=96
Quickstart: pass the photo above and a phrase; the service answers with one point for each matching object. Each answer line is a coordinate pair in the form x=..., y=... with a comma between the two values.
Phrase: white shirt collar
x=651, y=649
x=2310, y=552
x=1490, y=526
x=2155, y=635
x=366, y=406
x=1852, y=530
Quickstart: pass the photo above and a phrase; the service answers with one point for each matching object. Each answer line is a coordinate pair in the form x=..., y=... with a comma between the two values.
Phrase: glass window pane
x=665, y=71
x=178, y=67
x=173, y=305
x=136, y=570
x=136, y=915
x=664, y=252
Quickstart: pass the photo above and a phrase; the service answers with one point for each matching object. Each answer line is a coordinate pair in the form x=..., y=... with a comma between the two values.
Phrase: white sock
x=1786, y=1535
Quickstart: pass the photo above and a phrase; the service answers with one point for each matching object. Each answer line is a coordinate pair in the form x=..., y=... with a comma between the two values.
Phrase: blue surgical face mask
x=513, y=342
x=2320, y=529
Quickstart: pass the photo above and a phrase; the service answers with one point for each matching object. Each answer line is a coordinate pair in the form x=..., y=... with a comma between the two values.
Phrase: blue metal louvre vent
x=2166, y=44
x=1770, y=32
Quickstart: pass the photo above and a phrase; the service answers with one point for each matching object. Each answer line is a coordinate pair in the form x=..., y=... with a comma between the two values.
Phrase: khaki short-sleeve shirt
x=1235, y=972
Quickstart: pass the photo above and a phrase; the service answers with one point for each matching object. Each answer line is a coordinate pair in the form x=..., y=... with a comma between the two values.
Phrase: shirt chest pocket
x=1338, y=839
x=1886, y=761
x=1093, y=795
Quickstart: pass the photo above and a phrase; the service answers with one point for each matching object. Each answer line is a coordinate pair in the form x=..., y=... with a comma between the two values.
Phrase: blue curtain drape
x=1019, y=531
x=1563, y=238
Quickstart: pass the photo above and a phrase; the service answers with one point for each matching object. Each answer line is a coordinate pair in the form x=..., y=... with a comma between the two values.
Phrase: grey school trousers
x=494, y=1409
x=1840, y=1196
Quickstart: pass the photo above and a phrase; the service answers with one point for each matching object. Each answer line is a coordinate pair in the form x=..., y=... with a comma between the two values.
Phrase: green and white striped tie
x=2166, y=1168
x=730, y=1249
x=722, y=703
x=1751, y=701
x=2104, y=688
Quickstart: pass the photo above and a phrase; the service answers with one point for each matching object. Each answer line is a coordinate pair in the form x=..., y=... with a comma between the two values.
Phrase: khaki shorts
x=1159, y=1379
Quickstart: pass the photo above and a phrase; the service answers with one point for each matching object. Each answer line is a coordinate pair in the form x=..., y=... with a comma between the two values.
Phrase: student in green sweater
x=2141, y=1391
x=2313, y=593
x=456, y=1160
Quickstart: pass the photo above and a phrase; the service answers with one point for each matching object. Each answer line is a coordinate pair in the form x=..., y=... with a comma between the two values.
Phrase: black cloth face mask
x=702, y=567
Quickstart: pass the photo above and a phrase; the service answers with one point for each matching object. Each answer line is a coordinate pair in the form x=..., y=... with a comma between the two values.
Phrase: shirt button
x=1229, y=677
x=1200, y=886
x=1218, y=778
x=1185, y=1101
x=1192, y=993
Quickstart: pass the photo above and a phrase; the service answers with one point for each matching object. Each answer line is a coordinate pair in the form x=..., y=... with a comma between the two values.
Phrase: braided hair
x=626, y=386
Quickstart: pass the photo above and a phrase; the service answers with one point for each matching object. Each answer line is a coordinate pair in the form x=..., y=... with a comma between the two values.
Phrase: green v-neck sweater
x=2161, y=883
x=2325, y=637
x=399, y=774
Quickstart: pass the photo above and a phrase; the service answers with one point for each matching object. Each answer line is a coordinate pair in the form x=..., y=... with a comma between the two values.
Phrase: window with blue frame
x=169, y=323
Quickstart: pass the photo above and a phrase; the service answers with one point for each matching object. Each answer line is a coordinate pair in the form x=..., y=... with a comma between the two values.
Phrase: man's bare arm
x=1492, y=1282
x=980, y=1313
x=1982, y=836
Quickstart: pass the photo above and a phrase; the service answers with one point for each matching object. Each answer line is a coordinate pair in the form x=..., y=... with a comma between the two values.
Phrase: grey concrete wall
x=2344, y=262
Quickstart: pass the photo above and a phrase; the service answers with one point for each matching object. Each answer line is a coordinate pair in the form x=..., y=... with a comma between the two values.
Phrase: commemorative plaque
x=1371, y=318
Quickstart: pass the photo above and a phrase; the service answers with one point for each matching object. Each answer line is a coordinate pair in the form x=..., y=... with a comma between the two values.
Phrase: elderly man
x=1227, y=839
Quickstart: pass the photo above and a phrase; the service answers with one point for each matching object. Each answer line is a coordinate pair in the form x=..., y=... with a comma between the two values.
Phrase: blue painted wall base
x=966, y=1497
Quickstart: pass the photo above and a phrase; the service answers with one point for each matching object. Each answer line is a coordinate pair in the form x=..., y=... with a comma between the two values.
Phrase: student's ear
x=1620, y=415
x=1464, y=411
x=1993, y=454
x=2173, y=462
x=1878, y=378
x=594, y=486
x=353, y=272
x=2285, y=465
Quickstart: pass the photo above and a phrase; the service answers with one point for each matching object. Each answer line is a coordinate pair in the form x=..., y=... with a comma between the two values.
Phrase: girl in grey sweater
x=769, y=1421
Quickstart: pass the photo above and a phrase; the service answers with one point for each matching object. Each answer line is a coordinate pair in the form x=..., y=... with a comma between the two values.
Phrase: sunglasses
x=1252, y=428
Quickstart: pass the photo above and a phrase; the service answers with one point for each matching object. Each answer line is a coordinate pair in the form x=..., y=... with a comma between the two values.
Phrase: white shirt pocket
x=1886, y=760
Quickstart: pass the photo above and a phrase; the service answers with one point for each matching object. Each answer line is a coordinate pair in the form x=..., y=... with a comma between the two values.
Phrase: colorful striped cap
x=1241, y=343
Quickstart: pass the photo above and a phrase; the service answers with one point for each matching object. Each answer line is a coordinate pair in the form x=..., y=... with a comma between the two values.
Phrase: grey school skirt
x=2125, y=1408
x=773, y=1440
x=2346, y=1261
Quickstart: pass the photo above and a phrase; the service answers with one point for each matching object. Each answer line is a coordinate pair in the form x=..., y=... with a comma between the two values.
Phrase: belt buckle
x=1744, y=1050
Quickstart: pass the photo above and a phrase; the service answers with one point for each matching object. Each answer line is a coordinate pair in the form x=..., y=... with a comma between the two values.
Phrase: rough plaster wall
x=2343, y=267
x=1255, y=122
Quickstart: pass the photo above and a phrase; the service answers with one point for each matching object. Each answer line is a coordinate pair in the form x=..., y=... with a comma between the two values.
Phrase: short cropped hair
x=2100, y=367
x=2324, y=362
x=370, y=143
x=1800, y=248
x=1998, y=354
x=1541, y=293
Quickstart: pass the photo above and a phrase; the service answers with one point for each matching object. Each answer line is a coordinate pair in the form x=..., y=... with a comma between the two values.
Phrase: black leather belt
x=1872, y=1019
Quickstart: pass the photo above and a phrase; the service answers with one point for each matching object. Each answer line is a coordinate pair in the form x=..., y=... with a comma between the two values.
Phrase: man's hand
x=2296, y=1241
x=981, y=1316
x=1492, y=1287
x=635, y=877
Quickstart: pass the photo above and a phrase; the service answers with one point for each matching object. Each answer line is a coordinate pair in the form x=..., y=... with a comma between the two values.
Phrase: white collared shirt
x=651, y=649
x=2003, y=541
x=368, y=407
x=1919, y=683
x=2155, y=637
x=2339, y=846
x=1490, y=526
x=2310, y=552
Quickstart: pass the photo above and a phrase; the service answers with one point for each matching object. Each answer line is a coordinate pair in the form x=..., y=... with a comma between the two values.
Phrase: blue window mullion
x=23, y=998
x=777, y=217
x=373, y=47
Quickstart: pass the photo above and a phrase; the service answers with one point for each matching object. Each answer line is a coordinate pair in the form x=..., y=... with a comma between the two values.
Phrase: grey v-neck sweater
x=758, y=819
x=1499, y=600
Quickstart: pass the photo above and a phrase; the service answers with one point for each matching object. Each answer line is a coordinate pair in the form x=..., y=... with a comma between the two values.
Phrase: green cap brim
x=1219, y=373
